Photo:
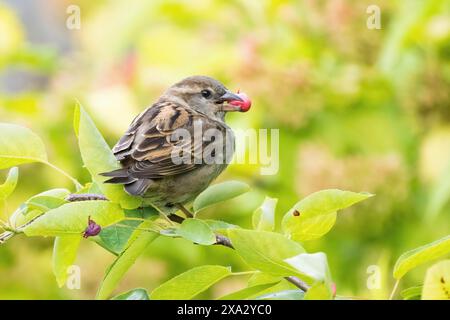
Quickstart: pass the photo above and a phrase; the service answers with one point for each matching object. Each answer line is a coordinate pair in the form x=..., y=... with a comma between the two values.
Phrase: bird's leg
x=175, y=218
x=184, y=210
x=162, y=214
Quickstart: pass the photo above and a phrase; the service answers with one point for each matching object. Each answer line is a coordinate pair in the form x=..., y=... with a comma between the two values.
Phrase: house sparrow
x=148, y=150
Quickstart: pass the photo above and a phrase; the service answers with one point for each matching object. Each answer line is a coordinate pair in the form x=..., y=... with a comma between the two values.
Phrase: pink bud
x=333, y=289
x=92, y=229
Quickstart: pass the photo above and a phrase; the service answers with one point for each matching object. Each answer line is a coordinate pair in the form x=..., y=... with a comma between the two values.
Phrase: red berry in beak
x=245, y=104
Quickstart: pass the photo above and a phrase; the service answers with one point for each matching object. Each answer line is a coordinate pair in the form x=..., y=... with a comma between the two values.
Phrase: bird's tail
x=118, y=176
x=122, y=172
x=138, y=187
x=133, y=186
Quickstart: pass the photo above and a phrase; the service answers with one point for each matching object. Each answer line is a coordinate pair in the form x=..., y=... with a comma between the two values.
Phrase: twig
x=137, y=228
x=85, y=197
x=5, y=236
x=185, y=211
x=74, y=181
x=394, y=289
x=224, y=241
x=10, y=232
x=298, y=283
x=220, y=239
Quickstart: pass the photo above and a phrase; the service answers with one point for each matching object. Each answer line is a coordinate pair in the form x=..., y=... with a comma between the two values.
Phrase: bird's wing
x=146, y=149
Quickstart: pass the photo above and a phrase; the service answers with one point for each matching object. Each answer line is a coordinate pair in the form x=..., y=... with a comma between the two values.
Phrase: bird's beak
x=235, y=102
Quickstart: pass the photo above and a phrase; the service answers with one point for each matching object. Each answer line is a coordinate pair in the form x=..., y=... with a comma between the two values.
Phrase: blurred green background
x=357, y=109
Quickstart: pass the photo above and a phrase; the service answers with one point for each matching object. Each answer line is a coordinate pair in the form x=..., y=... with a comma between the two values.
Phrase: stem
x=298, y=283
x=9, y=229
x=5, y=236
x=140, y=219
x=185, y=211
x=136, y=219
x=13, y=229
x=391, y=297
x=75, y=181
x=224, y=241
x=85, y=197
x=137, y=228
x=220, y=239
x=161, y=213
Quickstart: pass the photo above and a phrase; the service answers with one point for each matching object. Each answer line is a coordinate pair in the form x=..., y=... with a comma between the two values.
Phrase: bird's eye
x=206, y=93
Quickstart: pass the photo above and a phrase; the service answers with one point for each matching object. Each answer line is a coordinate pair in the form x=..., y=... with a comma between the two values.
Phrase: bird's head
x=207, y=95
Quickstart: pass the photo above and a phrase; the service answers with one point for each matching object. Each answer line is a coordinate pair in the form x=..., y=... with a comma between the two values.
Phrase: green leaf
x=266, y=251
x=319, y=291
x=170, y=232
x=40, y=204
x=197, y=231
x=190, y=283
x=283, y=295
x=23, y=215
x=247, y=293
x=218, y=193
x=411, y=259
x=50, y=199
x=116, y=237
x=64, y=254
x=7, y=188
x=315, y=215
x=437, y=282
x=282, y=285
x=45, y=203
x=136, y=246
x=263, y=278
x=72, y=218
x=19, y=145
x=90, y=187
x=59, y=193
x=412, y=293
x=218, y=225
x=98, y=158
x=135, y=294
x=314, y=265
x=264, y=216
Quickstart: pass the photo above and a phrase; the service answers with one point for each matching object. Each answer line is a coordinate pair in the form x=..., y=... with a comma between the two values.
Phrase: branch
x=185, y=211
x=220, y=239
x=85, y=197
x=10, y=232
x=77, y=184
x=298, y=283
x=224, y=241
x=5, y=236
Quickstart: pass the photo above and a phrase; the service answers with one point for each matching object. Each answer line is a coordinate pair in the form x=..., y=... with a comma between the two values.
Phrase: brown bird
x=167, y=132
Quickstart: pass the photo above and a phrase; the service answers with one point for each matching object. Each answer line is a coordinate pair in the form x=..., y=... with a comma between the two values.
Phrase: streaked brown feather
x=146, y=148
